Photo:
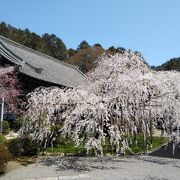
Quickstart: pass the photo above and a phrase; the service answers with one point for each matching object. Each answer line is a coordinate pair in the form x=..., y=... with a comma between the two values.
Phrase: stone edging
x=63, y=177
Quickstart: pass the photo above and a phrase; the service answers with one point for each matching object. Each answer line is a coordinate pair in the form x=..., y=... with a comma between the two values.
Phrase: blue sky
x=149, y=26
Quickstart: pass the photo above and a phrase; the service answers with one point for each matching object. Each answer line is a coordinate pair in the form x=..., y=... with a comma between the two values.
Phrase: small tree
x=83, y=45
x=10, y=91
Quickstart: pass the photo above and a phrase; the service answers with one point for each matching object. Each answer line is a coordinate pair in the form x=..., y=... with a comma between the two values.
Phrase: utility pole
x=2, y=113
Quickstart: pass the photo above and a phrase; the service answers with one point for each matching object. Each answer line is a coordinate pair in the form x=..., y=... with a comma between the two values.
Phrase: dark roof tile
x=39, y=65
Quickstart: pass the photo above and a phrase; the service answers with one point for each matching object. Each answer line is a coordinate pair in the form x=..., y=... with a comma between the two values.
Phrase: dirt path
x=12, y=165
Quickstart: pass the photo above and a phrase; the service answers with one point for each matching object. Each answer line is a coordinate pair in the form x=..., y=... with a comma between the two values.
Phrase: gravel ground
x=90, y=168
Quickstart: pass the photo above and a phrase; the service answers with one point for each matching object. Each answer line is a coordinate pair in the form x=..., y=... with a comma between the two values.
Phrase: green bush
x=6, y=127
x=18, y=123
x=23, y=147
x=2, y=139
x=4, y=157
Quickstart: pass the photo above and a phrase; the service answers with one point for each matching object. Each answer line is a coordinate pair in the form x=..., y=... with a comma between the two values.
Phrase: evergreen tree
x=83, y=45
x=48, y=44
x=172, y=64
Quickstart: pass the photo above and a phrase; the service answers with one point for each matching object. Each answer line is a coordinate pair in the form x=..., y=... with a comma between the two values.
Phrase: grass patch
x=68, y=147
x=138, y=146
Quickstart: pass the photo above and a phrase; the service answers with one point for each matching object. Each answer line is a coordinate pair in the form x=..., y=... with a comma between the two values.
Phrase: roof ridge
x=40, y=53
x=7, y=51
x=12, y=54
x=80, y=71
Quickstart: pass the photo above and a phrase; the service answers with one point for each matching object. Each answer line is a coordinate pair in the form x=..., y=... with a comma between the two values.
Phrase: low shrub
x=2, y=139
x=5, y=156
x=6, y=127
x=23, y=147
x=18, y=123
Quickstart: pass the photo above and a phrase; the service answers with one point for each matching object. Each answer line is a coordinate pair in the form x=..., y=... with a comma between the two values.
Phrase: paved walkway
x=89, y=168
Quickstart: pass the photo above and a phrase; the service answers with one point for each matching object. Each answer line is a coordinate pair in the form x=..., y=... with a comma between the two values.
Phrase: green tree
x=83, y=45
x=71, y=52
x=3, y=29
x=172, y=64
x=112, y=50
x=48, y=44
x=53, y=46
x=98, y=45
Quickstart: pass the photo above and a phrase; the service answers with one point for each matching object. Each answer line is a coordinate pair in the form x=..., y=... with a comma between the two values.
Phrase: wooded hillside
x=172, y=64
x=84, y=57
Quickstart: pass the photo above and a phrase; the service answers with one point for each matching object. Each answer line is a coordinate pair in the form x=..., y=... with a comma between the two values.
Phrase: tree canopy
x=48, y=44
x=86, y=58
x=122, y=97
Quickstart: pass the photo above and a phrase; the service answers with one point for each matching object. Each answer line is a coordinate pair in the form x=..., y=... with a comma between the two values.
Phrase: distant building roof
x=39, y=65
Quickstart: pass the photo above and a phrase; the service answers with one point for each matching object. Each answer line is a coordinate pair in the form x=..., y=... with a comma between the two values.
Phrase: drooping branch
x=120, y=98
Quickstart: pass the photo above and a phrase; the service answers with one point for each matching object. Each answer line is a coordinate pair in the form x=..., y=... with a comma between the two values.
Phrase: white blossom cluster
x=6, y=70
x=119, y=99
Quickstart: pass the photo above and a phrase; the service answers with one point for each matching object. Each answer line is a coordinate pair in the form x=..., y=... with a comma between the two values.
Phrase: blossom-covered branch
x=120, y=98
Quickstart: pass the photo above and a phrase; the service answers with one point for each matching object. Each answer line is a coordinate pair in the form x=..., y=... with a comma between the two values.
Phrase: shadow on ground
x=167, y=151
x=81, y=163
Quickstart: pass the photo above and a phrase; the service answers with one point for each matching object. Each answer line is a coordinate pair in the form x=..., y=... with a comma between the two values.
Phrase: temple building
x=37, y=69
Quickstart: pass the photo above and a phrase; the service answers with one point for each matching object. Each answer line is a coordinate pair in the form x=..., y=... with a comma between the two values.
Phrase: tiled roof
x=39, y=65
